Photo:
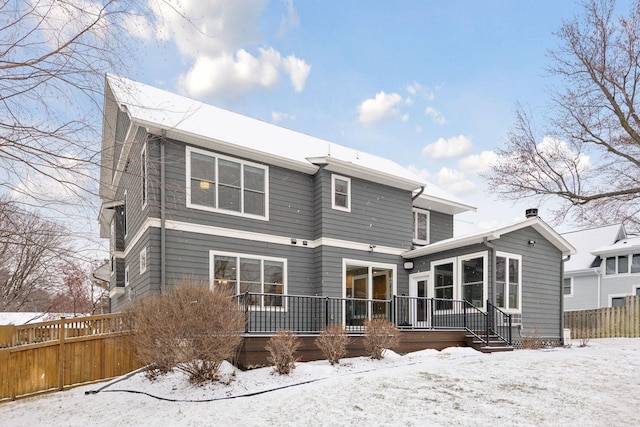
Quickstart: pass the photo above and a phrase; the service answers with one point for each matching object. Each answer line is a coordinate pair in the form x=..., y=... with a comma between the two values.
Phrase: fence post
x=464, y=314
x=61, y=358
x=488, y=323
x=393, y=311
x=246, y=312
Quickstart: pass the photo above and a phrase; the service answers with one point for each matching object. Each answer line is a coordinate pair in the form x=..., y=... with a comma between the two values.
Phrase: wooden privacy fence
x=58, y=354
x=607, y=322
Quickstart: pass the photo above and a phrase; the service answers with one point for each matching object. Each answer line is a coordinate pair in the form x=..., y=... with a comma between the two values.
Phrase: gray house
x=293, y=224
x=605, y=269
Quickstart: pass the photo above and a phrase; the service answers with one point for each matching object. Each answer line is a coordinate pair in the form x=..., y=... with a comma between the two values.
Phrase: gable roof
x=204, y=125
x=457, y=242
x=587, y=241
x=621, y=247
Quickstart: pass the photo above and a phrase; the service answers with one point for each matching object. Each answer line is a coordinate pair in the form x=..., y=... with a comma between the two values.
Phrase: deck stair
x=495, y=344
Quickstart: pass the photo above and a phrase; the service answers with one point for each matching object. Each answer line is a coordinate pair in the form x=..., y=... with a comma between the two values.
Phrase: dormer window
x=341, y=193
x=420, y=227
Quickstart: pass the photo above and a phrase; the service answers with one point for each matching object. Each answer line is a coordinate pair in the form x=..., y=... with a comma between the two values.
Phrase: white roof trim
x=457, y=242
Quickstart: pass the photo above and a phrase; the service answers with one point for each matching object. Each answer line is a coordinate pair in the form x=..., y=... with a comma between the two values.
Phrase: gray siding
x=618, y=285
x=541, y=281
x=379, y=215
x=440, y=226
x=585, y=293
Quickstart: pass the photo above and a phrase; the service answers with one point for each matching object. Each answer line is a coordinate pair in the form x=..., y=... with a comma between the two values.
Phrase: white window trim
x=457, y=277
x=143, y=255
x=635, y=290
x=333, y=193
x=616, y=257
x=570, y=294
x=144, y=169
x=217, y=156
x=519, y=258
x=126, y=277
x=285, y=301
x=415, y=226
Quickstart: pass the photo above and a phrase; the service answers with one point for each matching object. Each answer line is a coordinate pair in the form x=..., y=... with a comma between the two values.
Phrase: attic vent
x=531, y=213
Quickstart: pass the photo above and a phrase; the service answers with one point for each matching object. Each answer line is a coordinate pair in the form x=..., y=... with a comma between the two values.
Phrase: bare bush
x=583, y=336
x=333, y=342
x=191, y=328
x=282, y=348
x=532, y=340
x=379, y=334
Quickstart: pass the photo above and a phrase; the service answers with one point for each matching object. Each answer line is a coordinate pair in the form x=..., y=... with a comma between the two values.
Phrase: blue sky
x=431, y=85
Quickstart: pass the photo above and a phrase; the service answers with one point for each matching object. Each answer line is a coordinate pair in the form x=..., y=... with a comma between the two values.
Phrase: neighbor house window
x=463, y=277
x=223, y=184
x=617, y=301
x=567, y=288
x=610, y=265
x=143, y=174
x=341, y=193
x=126, y=277
x=143, y=260
x=635, y=263
x=622, y=264
x=238, y=274
x=420, y=226
x=508, y=280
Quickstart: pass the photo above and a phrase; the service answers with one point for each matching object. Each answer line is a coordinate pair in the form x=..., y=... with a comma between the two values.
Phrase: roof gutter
x=419, y=193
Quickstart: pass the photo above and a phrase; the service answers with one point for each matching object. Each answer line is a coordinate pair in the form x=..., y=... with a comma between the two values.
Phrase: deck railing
x=266, y=313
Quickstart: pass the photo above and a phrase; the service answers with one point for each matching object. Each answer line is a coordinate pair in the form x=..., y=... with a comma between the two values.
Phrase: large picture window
x=238, y=273
x=224, y=184
x=508, y=280
x=460, y=278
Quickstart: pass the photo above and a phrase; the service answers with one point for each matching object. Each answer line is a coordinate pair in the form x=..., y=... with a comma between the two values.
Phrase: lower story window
x=508, y=280
x=463, y=277
x=263, y=277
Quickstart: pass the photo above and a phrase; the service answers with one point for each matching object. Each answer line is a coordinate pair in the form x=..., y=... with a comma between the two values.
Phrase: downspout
x=564, y=260
x=163, y=236
x=598, y=298
x=492, y=263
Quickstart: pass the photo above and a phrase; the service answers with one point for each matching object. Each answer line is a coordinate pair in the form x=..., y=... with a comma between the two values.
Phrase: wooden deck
x=252, y=353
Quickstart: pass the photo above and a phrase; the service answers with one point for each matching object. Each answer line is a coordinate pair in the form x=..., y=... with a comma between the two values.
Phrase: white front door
x=419, y=304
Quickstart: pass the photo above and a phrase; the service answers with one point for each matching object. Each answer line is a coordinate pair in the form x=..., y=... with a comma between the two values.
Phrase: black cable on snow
x=237, y=396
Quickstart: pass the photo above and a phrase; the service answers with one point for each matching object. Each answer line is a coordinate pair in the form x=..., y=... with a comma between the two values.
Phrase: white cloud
x=405, y=117
x=415, y=89
x=478, y=163
x=277, y=116
x=382, y=107
x=419, y=129
x=448, y=148
x=556, y=150
x=298, y=70
x=229, y=76
x=291, y=20
x=436, y=116
x=454, y=181
x=213, y=34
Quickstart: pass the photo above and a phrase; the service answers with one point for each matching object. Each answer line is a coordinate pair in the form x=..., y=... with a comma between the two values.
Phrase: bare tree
x=79, y=293
x=31, y=250
x=588, y=152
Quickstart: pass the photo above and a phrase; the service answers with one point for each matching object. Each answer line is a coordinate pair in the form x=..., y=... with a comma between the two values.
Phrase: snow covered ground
x=598, y=385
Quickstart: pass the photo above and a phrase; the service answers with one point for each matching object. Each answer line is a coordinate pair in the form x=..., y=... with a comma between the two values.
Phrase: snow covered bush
x=531, y=340
x=333, y=342
x=379, y=334
x=190, y=328
x=282, y=348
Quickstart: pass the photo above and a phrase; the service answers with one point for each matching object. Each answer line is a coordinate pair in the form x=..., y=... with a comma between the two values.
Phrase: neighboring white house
x=605, y=270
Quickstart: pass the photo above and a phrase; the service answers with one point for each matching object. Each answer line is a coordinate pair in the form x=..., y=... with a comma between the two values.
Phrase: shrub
x=333, y=343
x=532, y=340
x=190, y=328
x=282, y=348
x=379, y=334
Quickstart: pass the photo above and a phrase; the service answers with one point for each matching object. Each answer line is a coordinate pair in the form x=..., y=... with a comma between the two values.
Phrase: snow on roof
x=471, y=239
x=587, y=241
x=22, y=318
x=621, y=247
x=192, y=120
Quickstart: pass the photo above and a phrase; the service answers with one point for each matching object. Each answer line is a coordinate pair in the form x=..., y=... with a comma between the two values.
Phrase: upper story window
x=341, y=193
x=223, y=184
x=622, y=264
x=420, y=227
